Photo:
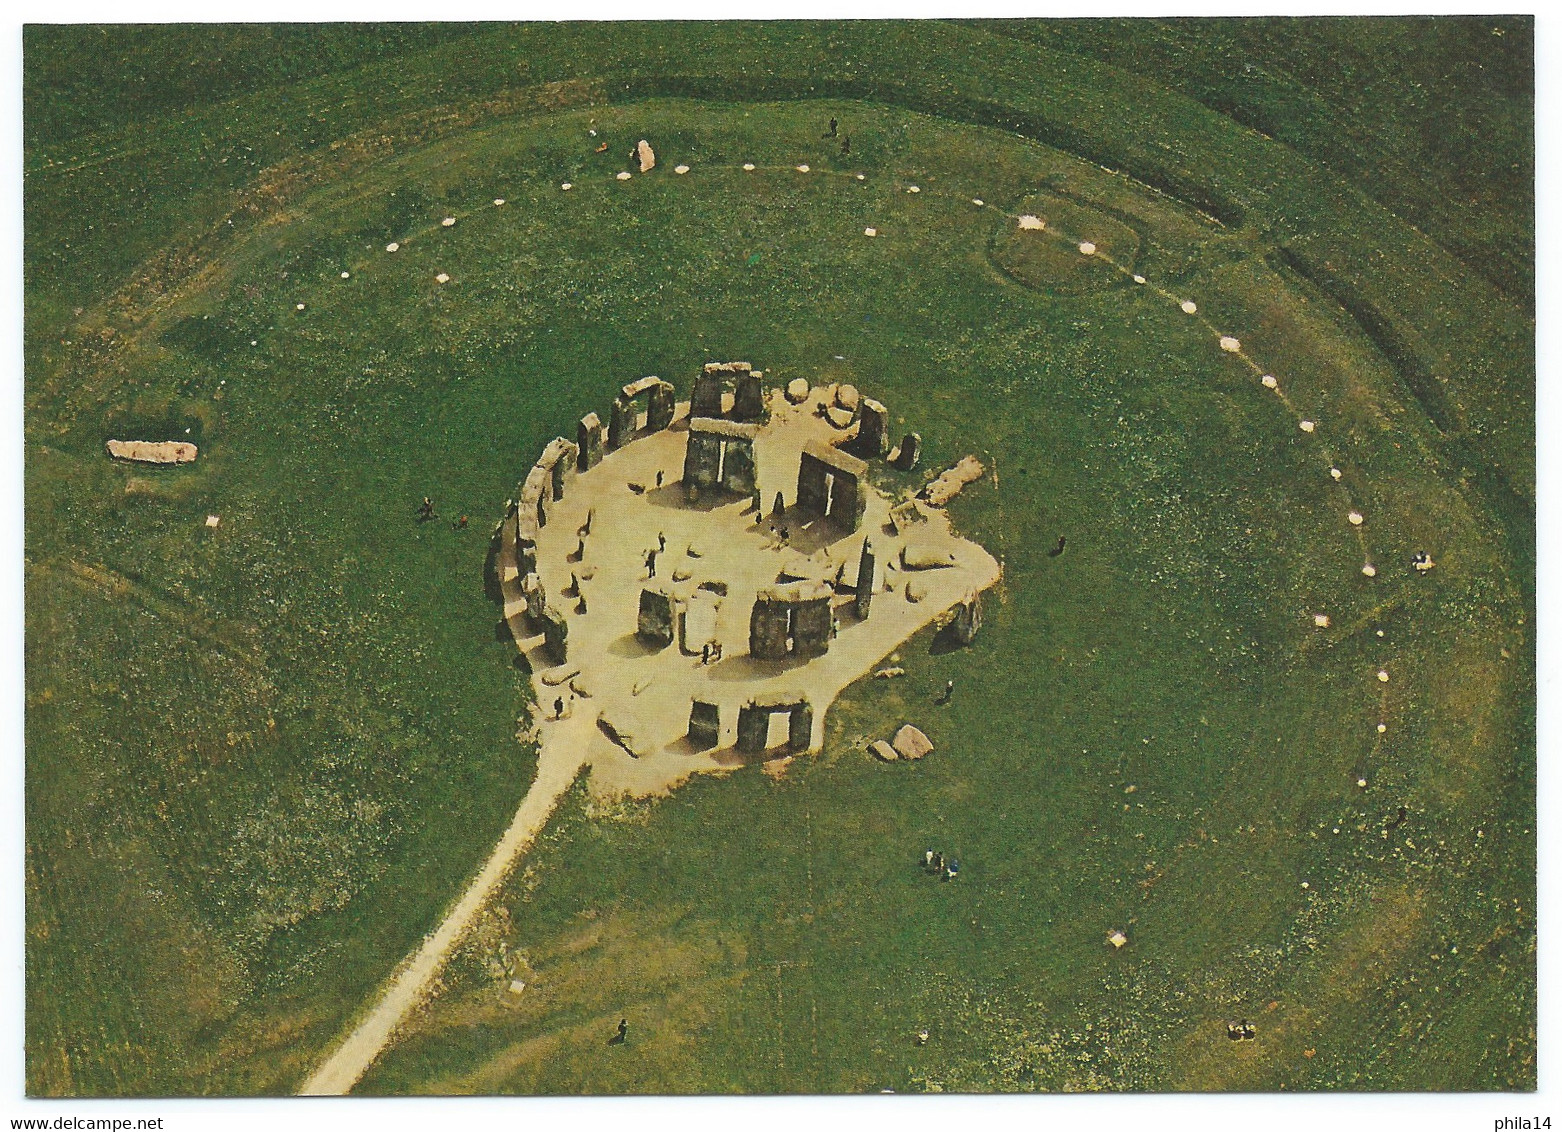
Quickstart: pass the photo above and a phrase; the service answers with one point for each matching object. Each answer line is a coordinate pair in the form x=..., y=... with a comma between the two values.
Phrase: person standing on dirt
x=650, y=564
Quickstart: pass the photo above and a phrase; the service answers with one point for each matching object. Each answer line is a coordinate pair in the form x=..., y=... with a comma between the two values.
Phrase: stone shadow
x=631, y=647
x=734, y=669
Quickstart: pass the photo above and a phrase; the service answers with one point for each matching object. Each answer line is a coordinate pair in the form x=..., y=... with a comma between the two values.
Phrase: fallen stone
x=681, y=575
x=586, y=573
x=799, y=567
x=581, y=686
x=645, y=155
x=553, y=677
x=626, y=730
x=890, y=673
x=910, y=743
x=797, y=390
x=915, y=556
x=695, y=550
x=915, y=592
x=847, y=397
x=838, y=417
x=883, y=750
x=153, y=451
x=950, y=481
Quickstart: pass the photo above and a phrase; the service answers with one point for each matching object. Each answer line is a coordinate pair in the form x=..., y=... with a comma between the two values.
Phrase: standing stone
x=872, y=429
x=737, y=467
x=704, y=725
x=655, y=625
x=812, y=626
x=525, y=555
x=706, y=401
x=968, y=619
x=701, y=462
x=769, y=627
x=536, y=596
x=753, y=729
x=589, y=441
x=800, y=727
x=749, y=402
x=620, y=424
x=645, y=155
x=865, y=578
x=555, y=632
x=910, y=451
x=659, y=413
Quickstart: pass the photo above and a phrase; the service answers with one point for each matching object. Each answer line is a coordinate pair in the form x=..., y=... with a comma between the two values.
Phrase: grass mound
x=1056, y=264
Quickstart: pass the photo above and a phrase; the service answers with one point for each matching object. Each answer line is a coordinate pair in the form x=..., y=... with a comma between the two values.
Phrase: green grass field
x=263, y=758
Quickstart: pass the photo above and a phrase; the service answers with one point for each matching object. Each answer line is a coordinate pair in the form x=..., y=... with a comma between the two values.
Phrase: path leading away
x=559, y=760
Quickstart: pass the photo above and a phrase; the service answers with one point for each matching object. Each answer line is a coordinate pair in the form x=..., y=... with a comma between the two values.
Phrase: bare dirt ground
x=734, y=546
x=719, y=539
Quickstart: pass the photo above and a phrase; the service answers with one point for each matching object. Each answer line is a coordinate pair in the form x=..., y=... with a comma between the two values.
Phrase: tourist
x=558, y=708
x=658, y=479
x=833, y=125
x=426, y=512
x=650, y=564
